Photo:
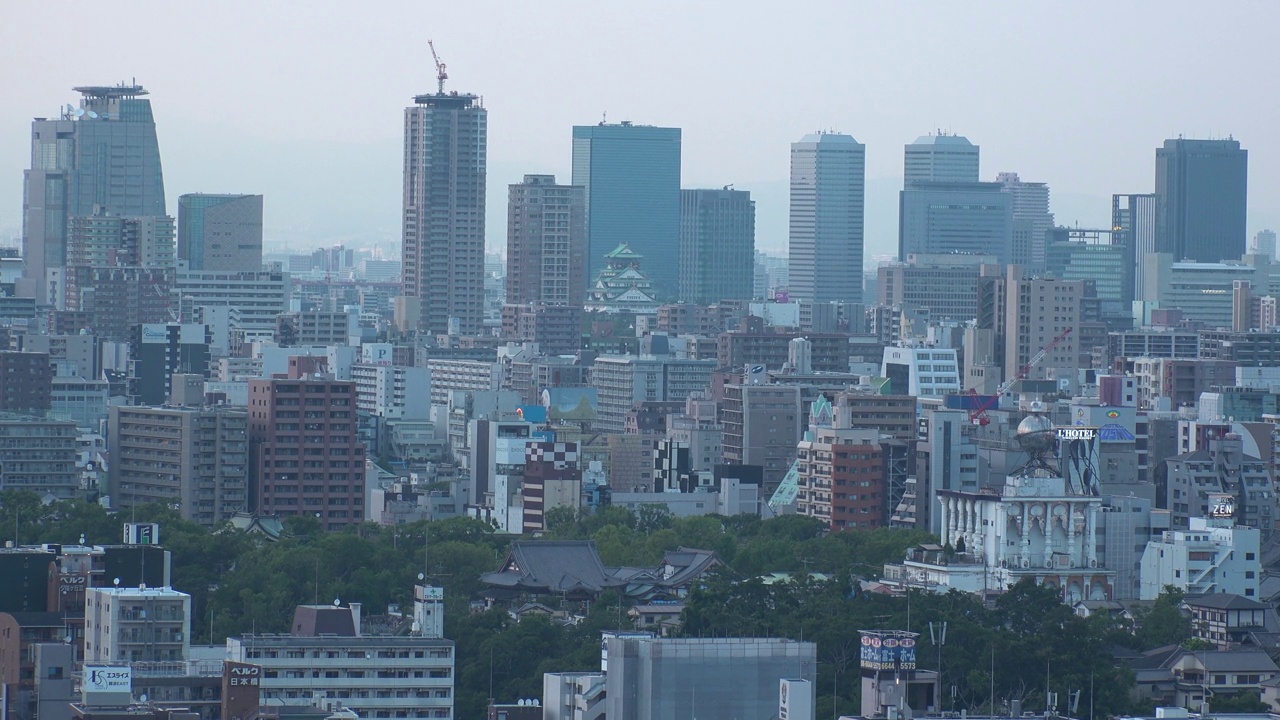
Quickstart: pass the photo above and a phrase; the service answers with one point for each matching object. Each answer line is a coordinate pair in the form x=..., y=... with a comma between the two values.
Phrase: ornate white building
x=1038, y=526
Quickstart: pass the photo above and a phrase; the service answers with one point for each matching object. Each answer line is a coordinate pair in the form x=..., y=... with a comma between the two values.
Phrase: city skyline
x=1051, y=116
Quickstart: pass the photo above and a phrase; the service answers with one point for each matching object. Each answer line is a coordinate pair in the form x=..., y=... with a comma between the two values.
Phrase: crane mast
x=441, y=75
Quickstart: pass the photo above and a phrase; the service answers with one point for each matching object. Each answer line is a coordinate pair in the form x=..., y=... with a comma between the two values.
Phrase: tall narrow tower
x=103, y=154
x=828, y=174
x=443, y=222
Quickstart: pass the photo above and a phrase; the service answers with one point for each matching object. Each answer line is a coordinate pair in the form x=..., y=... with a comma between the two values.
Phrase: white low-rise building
x=921, y=372
x=1214, y=556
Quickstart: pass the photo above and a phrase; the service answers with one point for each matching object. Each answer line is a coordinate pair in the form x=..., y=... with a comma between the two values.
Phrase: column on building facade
x=944, y=510
x=1025, y=550
x=1091, y=522
x=1047, y=527
x=1070, y=521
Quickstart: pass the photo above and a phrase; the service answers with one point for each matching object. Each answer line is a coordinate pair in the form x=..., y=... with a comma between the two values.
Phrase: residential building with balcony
x=136, y=624
x=305, y=455
x=195, y=458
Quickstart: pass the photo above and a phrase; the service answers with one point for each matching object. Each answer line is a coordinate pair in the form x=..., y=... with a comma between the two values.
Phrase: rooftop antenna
x=441, y=74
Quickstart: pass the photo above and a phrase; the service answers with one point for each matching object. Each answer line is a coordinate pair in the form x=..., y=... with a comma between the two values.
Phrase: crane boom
x=441, y=75
x=979, y=415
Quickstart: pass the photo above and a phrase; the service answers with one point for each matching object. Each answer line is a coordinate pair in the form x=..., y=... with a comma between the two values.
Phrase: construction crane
x=441, y=75
x=978, y=416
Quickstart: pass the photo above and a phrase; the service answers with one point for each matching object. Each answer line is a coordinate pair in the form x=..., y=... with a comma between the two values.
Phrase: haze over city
x=302, y=102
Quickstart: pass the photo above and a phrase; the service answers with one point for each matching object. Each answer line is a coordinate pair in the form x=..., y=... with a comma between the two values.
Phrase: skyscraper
x=1133, y=219
x=632, y=178
x=828, y=176
x=941, y=158
x=546, y=242
x=1201, y=199
x=943, y=208
x=102, y=154
x=1030, y=214
x=220, y=232
x=443, y=222
x=717, y=245
x=956, y=217
x=1264, y=244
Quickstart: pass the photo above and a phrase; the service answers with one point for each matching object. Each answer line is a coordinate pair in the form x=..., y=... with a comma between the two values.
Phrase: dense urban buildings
x=631, y=174
x=442, y=255
x=824, y=241
x=1093, y=409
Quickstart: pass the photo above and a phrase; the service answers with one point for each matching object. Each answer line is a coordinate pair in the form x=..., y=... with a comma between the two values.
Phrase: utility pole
x=938, y=638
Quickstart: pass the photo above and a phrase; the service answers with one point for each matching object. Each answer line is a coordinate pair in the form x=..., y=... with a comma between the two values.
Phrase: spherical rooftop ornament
x=1036, y=434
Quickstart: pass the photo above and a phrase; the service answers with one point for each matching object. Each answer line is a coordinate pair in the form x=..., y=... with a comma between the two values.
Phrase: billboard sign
x=888, y=650
x=141, y=533
x=241, y=690
x=101, y=678
x=1222, y=506
x=153, y=333
x=1076, y=432
x=107, y=685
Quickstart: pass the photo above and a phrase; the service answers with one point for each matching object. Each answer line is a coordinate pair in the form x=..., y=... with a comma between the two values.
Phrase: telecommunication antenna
x=441, y=74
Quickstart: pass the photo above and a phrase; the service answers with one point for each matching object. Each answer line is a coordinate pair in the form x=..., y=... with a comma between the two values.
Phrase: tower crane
x=978, y=416
x=441, y=74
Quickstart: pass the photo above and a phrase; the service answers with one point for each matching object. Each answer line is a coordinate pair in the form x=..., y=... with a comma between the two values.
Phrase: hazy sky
x=301, y=101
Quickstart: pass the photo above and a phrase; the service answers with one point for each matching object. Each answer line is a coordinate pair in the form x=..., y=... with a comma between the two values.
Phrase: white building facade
x=1213, y=556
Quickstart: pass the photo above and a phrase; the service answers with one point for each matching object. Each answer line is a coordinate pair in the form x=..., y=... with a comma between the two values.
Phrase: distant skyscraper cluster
x=99, y=246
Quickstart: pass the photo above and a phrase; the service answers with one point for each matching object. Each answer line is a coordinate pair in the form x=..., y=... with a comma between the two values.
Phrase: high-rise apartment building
x=1133, y=219
x=828, y=177
x=194, y=458
x=1201, y=199
x=1031, y=215
x=102, y=240
x=305, y=456
x=717, y=245
x=941, y=158
x=445, y=150
x=220, y=232
x=546, y=242
x=102, y=154
x=1037, y=310
x=762, y=424
x=632, y=178
x=841, y=478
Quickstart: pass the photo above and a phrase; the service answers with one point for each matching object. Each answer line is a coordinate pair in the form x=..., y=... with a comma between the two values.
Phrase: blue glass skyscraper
x=632, y=178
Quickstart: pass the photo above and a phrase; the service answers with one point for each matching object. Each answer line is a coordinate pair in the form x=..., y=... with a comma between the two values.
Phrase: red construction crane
x=441, y=75
x=979, y=415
